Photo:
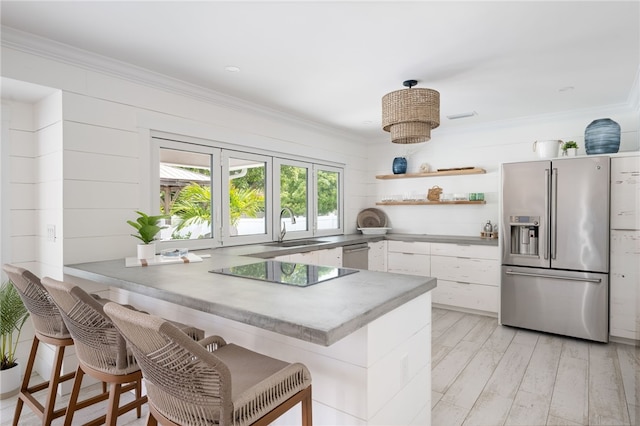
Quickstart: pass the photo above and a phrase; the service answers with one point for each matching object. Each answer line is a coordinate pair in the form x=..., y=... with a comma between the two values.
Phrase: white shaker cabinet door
x=330, y=257
x=378, y=256
x=625, y=193
x=625, y=284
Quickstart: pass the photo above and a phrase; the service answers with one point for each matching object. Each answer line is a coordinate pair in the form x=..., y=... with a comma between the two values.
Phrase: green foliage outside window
x=327, y=192
x=193, y=204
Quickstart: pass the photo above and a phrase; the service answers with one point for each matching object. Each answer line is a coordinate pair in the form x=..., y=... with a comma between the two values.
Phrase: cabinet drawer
x=469, y=296
x=408, y=263
x=478, y=271
x=463, y=250
x=418, y=247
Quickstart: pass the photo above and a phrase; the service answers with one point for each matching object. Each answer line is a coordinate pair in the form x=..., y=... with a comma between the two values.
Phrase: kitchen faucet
x=283, y=229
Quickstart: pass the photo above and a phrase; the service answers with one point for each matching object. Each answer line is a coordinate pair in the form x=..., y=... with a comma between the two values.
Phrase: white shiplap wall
x=104, y=158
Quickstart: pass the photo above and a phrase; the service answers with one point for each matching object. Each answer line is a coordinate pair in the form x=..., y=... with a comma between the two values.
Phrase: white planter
x=547, y=149
x=571, y=152
x=146, y=251
x=9, y=382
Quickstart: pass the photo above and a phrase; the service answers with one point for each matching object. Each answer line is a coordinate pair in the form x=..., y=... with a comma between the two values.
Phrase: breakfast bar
x=364, y=335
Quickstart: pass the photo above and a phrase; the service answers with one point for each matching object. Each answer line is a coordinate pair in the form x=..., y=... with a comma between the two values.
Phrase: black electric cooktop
x=296, y=274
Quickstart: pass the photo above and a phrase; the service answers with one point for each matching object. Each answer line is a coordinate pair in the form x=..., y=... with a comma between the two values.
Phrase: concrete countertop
x=322, y=313
x=268, y=250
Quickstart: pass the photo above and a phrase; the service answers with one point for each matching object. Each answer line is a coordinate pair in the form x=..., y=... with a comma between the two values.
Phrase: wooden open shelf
x=452, y=172
x=425, y=203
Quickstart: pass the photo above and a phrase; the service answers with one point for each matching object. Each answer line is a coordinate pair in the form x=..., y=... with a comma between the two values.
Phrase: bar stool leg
x=50, y=404
x=114, y=403
x=25, y=382
x=73, y=398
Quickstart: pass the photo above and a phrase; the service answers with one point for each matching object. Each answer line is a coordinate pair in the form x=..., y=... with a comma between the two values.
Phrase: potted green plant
x=147, y=228
x=13, y=315
x=569, y=149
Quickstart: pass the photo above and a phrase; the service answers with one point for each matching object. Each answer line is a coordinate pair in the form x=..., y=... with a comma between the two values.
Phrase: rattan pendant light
x=410, y=114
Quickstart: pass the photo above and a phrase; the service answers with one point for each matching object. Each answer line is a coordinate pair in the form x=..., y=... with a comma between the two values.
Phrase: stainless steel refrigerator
x=555, y=246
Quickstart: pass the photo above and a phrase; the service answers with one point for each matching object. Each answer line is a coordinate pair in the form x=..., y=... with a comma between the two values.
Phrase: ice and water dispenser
x=524, y=235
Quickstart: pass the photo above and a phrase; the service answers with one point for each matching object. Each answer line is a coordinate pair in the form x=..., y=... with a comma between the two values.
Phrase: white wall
x=101, y=160
x=107, y=122
x=484, y=147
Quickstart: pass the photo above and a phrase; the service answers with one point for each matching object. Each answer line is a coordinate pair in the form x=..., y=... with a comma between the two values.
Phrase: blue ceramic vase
x=399, y=166
x=602, y=136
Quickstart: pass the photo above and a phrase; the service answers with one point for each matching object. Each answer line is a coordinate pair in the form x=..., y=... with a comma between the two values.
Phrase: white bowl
x=373, y=231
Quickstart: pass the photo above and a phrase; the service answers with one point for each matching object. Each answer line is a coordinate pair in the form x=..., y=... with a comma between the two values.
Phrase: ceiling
x=331, y=62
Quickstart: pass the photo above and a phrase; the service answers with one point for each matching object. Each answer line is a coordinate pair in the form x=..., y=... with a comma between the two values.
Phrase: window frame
x=216, y=192
x=340, y=229
x=220, y=152
x=277, y=207
x=227, y=238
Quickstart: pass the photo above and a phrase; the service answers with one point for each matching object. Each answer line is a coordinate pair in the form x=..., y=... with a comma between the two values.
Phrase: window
x=218, y=196
x=247, y=187
x=293, y=190
x=329, y=212
x=186, y=183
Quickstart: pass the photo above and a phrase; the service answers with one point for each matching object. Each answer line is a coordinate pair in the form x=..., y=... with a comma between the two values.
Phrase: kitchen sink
x=296, y=243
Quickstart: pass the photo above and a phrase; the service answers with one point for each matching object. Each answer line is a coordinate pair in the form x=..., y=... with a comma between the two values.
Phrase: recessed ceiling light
x=462, y=115
x=231, y=68
x=565, y=89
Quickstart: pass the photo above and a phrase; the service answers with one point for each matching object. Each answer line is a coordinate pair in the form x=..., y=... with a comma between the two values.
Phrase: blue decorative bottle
x=602, y=136
x=399, y=165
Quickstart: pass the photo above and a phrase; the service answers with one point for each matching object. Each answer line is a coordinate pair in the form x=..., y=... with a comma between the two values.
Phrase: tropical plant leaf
x=147, y=226
x=13, y=315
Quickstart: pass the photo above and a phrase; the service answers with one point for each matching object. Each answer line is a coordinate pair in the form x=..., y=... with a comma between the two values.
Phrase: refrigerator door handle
x=554, y=213
x=555, y=277
x=543, y=236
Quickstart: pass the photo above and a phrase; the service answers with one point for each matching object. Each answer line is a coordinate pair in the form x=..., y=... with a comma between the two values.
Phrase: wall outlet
x=51, y=233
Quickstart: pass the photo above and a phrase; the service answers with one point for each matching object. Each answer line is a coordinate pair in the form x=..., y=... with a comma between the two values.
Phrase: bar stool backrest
x=45, y=315
x=185, y=381
x=98, y=343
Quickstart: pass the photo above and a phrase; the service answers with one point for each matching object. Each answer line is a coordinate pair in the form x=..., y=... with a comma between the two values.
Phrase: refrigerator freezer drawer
x=568, y=303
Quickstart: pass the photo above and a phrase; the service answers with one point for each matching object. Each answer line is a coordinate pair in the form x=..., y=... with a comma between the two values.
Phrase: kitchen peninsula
x=366, y=336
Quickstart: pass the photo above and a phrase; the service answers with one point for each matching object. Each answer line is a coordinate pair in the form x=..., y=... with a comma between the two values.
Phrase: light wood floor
x=485, y=374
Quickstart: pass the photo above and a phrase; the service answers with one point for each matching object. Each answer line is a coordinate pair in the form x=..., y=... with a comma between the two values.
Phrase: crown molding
x=60, y=52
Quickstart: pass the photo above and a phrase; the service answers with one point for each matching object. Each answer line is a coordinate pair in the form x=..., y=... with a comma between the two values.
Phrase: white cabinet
x=624, y=272
x=330, y=257
x=468, y=276
x=625, y=193
x=378, y=256
x=407, y=257
x=624, y=284
x=326, y=257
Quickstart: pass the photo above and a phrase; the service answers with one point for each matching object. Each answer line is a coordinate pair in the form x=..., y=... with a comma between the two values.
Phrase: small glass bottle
x=488, y=227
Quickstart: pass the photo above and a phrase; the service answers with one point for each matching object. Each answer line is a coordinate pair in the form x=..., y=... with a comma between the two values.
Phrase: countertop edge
x=267, y=250
x=287, y=328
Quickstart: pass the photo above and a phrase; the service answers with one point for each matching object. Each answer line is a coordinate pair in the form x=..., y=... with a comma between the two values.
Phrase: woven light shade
x=410, y=114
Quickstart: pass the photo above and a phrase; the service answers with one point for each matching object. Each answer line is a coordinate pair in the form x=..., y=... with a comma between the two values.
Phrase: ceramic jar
x=399, y=166
x=602, y=136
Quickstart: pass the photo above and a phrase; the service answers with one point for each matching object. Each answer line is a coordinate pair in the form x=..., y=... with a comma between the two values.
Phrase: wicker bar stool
x=209, y=382
x=102, y=352
x=49, y=328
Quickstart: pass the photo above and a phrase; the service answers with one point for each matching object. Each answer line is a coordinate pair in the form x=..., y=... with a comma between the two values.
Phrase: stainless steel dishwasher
x=356, y=256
